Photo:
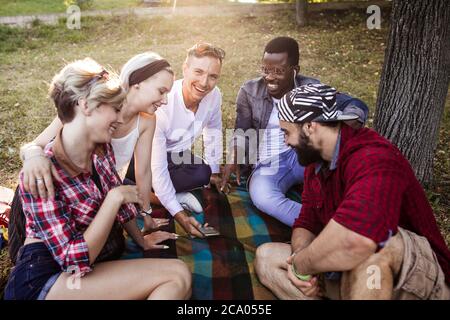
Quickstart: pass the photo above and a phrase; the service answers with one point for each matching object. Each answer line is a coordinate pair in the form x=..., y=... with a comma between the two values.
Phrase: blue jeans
x=270, y=182
x=34, y=274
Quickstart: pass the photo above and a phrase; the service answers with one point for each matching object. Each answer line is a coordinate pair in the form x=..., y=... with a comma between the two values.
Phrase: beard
x=306, y=155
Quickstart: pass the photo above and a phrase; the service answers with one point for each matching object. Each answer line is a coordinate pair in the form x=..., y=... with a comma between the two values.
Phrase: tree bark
x=414, y=81
x=301, y=9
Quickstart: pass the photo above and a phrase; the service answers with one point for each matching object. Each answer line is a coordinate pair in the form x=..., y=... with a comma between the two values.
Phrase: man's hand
x=189, y=224
x=220, y=184
x=309, y=288
x=228, y=170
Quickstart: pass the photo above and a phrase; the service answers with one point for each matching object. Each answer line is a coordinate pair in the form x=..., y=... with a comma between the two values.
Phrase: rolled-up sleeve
x=127, y=212
x=213, y=138
x=52, y=221
x=371, y=205
x=162, y=184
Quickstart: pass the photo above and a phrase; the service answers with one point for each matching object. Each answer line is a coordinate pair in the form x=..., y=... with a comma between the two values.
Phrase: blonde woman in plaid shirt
x=66, y=233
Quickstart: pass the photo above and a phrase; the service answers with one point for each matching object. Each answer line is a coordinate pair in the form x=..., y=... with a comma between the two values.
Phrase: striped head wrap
x=311, y=102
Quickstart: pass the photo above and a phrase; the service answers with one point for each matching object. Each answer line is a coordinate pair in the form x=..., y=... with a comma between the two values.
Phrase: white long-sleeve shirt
x=176, y=130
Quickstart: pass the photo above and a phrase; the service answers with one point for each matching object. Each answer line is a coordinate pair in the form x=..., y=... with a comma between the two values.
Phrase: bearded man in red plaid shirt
x=366, y=229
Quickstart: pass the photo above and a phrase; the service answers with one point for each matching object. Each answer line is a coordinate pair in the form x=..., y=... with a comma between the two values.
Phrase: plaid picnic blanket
x=222, y=266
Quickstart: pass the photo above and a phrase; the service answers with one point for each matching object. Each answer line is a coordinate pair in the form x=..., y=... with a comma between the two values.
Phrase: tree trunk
x=414, y=81
x=301, y=9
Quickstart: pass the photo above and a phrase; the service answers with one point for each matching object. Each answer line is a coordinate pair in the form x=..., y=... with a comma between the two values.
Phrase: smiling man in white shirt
x=193, y=109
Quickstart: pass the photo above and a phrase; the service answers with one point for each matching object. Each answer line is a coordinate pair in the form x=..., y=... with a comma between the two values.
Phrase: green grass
x=30, y=7
x=5, y=266
x=338, y=49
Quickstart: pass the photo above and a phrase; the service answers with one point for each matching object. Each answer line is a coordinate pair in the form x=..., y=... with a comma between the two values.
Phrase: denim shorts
x=34, y=274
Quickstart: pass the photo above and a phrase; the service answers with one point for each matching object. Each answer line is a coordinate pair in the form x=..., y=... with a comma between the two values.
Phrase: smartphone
x=209, y=231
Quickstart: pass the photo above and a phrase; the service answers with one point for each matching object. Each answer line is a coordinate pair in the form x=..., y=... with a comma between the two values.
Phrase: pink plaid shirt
x=61, y=222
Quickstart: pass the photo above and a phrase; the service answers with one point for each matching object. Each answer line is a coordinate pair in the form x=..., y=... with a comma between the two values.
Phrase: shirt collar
x=201, y=105
x=334, y=159
x=178, y=89
x=65, y=162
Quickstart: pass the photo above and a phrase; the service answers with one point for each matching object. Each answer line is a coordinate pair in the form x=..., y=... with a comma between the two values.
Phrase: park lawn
x=30, y=7
x=337, y=49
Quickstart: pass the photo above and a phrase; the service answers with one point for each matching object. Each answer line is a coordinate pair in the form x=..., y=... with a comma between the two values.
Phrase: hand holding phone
x=209, y=231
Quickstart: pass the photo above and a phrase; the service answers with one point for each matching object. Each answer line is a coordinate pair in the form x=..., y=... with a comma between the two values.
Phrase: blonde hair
x=204, y=49
x=137, y=62
x=84, y=79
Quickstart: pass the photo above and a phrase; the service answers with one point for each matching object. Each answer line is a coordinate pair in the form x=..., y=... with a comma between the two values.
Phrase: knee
x=269, y=203
x=203, y=174
x=262, y=260
x=261, y=197
x=375, y=263
x=182, y=277
x=264, y=251
x=374, y=271
x=387, y=259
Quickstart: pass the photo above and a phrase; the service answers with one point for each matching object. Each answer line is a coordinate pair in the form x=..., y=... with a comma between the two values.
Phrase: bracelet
x=146, y=213
x=34, y=156
x=302, y=277
x=25, y=148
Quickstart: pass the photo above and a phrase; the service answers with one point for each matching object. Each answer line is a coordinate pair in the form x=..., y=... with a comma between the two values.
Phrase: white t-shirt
x=124, y=149
x=177, y=128
x=272, y=143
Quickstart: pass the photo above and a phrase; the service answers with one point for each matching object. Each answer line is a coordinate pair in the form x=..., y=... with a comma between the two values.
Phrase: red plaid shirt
x=61, y=222
x=372, y=191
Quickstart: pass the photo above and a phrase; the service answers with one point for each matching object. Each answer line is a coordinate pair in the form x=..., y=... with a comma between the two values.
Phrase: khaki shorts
x=421, y=277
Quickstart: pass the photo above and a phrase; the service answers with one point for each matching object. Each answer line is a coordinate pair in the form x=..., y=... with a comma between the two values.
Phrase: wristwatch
x=146, y=213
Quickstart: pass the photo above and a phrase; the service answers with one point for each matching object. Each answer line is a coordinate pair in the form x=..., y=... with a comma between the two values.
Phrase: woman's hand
x=152, y=240
x=126, y=194
x=152, y=224
x=37, y=174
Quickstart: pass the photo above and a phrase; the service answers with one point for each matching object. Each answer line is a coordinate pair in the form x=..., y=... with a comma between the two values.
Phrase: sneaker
x=189, y=202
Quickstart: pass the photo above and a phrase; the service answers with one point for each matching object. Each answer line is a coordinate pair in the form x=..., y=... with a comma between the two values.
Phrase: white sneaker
x=189, y=202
